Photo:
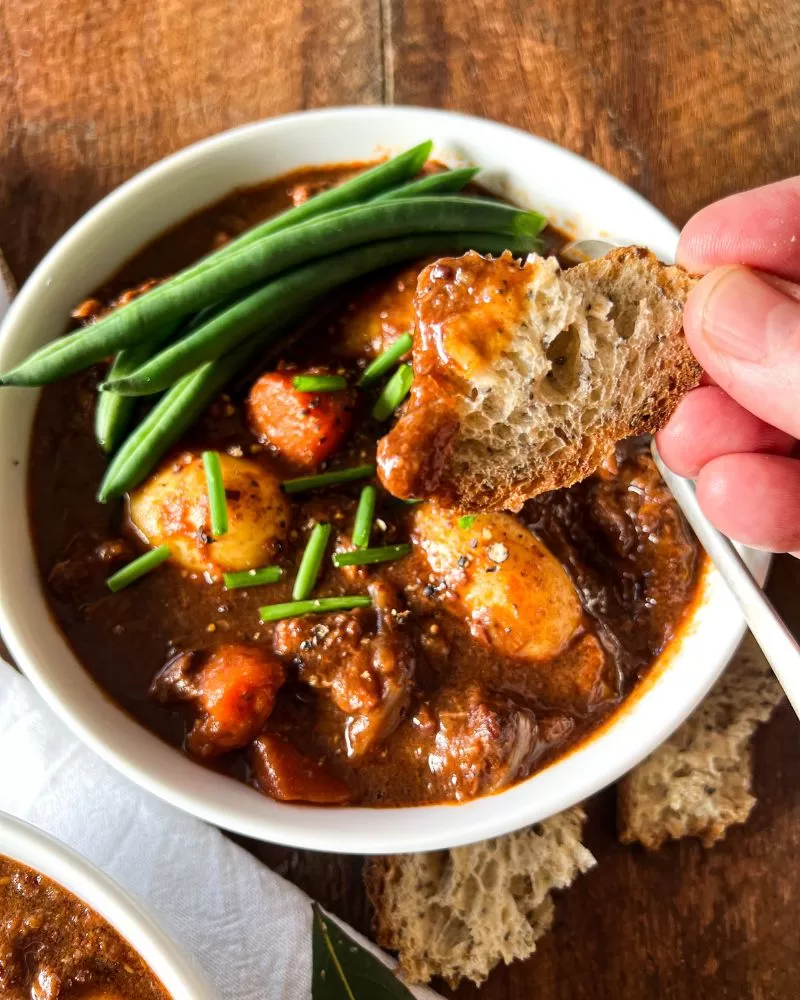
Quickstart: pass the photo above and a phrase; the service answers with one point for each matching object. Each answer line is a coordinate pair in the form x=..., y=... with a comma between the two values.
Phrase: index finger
x=758, y=228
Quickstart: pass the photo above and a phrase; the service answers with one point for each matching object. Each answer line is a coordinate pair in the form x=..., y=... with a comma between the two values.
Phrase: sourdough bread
x=525, y=375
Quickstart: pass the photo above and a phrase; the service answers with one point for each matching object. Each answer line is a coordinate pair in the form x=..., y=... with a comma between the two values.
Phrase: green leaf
x=466, y=521
x=343, y=970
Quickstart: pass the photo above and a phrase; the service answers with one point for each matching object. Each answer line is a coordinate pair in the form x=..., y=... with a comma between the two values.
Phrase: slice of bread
x=458, y=913
x=697, y=784
x=525, y=375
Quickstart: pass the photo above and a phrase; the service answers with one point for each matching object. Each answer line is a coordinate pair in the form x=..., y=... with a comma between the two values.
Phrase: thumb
x=745, y=332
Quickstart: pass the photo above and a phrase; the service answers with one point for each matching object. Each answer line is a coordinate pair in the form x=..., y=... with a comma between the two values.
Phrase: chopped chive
x=365, y=513
x=384, y=362
x=311, y=561
x=138, y=568
x=393, y=393
x=327, y=478
x=466, y=521
x=217, y=502
x=252, y=577
x=319, y=383
x=366, y=557
x=412, y=501
x=317, y=606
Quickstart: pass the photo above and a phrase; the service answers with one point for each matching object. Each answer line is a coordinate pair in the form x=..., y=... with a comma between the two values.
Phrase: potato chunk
x=514, y=592
x=171, y=508
x=380, y=314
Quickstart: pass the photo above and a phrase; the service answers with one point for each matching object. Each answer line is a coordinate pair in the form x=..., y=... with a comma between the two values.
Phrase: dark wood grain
x=686, y=100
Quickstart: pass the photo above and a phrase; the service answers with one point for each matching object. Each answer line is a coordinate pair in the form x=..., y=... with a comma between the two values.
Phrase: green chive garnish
x=308, y=570
x=138, y=568
x=318, y=606
x=393, y=393
x=365, y=557
x=386, y=361
x=252, y=577
x=466, y=521
x=327, y=479
x=319, y=383
x=217, y=503
x=365, y=514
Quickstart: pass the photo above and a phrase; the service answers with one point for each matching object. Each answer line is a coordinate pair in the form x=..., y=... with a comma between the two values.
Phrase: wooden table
x=686, y=100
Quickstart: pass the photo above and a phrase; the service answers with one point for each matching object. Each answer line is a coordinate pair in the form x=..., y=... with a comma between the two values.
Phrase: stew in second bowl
x=55, y=947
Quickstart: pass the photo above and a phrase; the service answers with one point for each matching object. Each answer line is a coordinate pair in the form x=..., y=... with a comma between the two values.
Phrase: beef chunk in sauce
x=366, y=667
x=482, y=744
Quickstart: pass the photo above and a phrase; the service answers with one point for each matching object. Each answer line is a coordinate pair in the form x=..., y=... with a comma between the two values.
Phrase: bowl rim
x=435, y=826
x=29, y=845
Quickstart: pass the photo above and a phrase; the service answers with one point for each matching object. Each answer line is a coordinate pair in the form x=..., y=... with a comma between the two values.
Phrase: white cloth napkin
x=249, y=929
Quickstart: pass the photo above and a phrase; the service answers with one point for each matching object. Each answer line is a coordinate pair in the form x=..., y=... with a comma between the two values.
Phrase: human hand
x=737, y=434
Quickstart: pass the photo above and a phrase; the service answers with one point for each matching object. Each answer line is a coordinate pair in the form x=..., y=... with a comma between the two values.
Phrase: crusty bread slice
x=457, y=913
x=697, y=784
x=526, y=375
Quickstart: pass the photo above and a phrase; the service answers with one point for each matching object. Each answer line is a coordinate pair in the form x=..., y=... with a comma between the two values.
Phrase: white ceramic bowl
x=577, y=196
x=30, y=846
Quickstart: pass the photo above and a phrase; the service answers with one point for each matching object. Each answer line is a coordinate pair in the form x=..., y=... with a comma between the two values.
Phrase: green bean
x=138, y=568
x=367, y=557
x=252, y=577
x=316, y=606
x=172, y=415
x=445, y=182
x=177, y=410
x=362, y=187
x=335, y=478
x=185, y=294
x=319, y=383
x=311, y=562
x=385, y=361
x=393, y=393
x=365, y=514
x=113, y=412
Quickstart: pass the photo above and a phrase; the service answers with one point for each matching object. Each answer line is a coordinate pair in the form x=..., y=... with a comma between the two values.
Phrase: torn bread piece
x=525, y=375
x=697, y=784
x=458, y=913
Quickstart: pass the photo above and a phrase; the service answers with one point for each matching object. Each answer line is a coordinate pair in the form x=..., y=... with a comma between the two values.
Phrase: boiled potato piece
x=378, y=316
x=514, y=592
x=171, y=508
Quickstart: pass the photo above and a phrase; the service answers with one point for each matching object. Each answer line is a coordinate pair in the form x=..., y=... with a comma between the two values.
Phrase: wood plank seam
x=387, y=51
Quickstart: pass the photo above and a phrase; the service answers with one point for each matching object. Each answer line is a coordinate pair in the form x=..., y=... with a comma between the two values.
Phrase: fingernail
x=740, y=315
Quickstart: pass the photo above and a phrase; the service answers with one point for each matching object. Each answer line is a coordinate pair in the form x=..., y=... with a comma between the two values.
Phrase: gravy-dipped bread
x=525, y=375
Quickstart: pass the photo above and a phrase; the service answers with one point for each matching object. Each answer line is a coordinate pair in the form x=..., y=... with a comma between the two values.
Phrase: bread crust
x=418, y=459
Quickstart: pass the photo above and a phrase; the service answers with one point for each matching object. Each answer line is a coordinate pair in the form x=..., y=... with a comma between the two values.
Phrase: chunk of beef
x=364, y=660
x=482, y=743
